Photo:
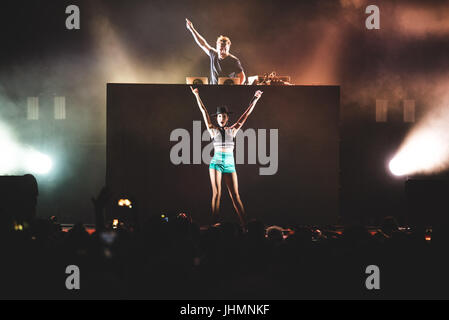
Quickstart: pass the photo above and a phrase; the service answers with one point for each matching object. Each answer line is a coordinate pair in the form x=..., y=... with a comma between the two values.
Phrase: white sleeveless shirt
x=221, y=142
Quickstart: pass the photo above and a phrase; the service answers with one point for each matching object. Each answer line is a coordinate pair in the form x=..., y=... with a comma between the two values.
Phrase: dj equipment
x=269, y=80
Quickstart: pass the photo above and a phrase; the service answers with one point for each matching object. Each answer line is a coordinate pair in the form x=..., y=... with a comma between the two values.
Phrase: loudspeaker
x=427, y=201
x=18, y=198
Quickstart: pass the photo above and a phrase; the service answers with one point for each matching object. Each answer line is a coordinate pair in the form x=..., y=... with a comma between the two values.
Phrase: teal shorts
x=223, y=162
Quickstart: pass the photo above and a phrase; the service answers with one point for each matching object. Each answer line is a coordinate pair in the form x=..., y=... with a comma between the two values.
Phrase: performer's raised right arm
x=198, y=38
x=203, y=109
x=241, y=121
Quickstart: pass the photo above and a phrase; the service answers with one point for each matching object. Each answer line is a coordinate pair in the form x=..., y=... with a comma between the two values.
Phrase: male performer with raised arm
x=222, y=63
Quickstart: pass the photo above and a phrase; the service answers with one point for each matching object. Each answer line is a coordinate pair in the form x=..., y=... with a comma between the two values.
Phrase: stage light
x=397, y=167
x=425, y=151
x=426, y=148
x=17, y=158
x=7, y=163
x=9, y=150
x=37, y=163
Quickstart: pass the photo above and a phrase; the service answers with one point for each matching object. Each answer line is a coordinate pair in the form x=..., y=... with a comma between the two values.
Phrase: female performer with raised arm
x=222, y=164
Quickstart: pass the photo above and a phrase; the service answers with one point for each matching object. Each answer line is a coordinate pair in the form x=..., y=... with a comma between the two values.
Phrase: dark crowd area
x=173, y=258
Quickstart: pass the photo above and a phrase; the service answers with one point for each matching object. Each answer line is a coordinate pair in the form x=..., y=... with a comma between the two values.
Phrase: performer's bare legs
x=231, y=181
x=215, y=180
x=233, y=188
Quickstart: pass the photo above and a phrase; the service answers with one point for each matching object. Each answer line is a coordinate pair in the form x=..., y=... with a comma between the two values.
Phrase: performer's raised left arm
x=241, y=121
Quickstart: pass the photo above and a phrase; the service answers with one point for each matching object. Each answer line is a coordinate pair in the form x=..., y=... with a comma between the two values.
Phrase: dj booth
x=287, y=153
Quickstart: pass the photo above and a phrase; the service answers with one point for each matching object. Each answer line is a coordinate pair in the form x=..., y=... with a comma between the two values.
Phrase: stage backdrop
x=158, y=150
